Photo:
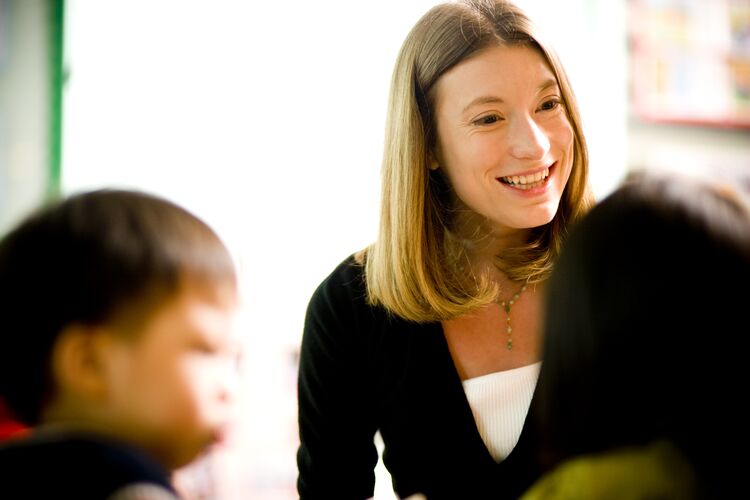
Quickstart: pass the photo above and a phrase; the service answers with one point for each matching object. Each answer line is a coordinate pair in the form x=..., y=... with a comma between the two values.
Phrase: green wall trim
x=57, y=81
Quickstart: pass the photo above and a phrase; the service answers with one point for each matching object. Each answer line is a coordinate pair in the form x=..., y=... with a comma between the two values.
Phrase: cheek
x=164, y=382
x=561, y=133
x=207, y=382
x=165, y=390
x=565, y=136
x=463, y=161
x=450, y=150
x=135, y=380
x=564, y=140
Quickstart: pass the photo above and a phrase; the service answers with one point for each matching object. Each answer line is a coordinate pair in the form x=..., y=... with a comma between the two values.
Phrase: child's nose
x=228, y=382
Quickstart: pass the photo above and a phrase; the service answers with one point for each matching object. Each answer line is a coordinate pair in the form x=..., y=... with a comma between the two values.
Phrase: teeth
x=525, y=180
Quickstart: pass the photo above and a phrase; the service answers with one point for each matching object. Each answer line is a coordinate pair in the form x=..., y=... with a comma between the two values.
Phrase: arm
x=337, y=455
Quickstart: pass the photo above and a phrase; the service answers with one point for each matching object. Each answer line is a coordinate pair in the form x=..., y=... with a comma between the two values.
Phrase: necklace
x=506, y=305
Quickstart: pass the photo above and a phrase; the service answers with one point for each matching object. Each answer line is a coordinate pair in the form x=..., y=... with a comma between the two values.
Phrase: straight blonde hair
x=411, y=269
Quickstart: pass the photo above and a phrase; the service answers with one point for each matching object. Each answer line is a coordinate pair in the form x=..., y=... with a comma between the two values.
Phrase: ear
x=433, y=159
x=79, y=362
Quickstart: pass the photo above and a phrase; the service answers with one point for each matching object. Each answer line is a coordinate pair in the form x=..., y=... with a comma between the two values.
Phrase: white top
x=500, y=402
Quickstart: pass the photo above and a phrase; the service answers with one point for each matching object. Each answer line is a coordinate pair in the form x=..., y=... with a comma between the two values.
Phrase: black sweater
x=362, y=369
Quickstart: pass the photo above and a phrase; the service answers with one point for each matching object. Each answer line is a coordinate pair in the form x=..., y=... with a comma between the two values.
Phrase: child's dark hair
x=87, y=260
x=645, y=325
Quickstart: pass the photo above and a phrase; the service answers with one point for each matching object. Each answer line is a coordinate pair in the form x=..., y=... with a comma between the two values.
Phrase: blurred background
x=266, y=119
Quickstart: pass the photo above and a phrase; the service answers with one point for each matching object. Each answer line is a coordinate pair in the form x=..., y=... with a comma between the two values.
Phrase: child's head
x=116, y=310
x=646, y=319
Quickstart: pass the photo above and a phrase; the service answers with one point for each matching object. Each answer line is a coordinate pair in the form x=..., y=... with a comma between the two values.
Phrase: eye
x=550, y=104
x=487, y=120
x=204, y=347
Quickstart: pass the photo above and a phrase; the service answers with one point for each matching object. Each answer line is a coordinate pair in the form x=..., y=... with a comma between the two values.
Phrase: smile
x=525, y=182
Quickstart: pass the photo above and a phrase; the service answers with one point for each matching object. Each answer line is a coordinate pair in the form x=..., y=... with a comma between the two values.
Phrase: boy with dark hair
x=116, y=312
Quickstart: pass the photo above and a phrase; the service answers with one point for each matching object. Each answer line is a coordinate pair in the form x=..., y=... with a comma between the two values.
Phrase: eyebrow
x=491, y=99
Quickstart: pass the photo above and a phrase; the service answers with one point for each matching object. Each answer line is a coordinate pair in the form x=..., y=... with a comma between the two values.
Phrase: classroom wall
x=24, y=107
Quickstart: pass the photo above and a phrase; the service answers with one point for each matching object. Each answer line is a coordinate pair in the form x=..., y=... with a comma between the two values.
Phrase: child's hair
x=93, y=258
x=645, y=323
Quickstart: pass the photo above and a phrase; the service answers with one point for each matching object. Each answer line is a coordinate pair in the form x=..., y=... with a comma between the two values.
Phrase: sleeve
x=337, y=423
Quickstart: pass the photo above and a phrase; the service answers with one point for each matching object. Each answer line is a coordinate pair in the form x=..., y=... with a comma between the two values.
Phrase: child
x=116, y=311
x=641, y=388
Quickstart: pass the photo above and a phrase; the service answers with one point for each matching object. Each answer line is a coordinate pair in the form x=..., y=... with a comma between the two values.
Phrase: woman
x=431, y=334
x=644, y=358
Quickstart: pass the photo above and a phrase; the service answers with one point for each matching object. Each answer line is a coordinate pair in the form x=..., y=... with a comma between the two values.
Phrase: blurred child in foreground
x=641, y=388
x=116, y=312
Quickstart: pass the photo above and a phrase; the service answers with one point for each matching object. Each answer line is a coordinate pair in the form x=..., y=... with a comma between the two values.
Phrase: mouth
x=528, y=181
x=219, y=436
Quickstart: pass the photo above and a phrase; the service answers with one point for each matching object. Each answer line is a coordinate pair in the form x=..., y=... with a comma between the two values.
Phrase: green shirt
x=657, y=470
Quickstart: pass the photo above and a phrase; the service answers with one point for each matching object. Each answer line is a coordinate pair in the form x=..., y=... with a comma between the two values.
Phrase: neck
x=79, y=416
x=91, y=423
x=480, y=255
x=63, y=417
x=484, y=240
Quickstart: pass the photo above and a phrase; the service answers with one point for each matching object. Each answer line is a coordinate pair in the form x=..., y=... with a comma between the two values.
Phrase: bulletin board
x=690, y=61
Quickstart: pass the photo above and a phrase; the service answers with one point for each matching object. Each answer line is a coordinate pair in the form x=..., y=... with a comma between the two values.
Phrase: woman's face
x=503, y=137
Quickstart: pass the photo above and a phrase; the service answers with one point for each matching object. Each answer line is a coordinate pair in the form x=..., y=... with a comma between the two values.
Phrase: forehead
x=503, y=71
x=194, y=308
x=204, y=304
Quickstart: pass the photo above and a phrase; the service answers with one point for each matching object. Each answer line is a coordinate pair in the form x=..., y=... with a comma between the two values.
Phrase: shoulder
x=82, y=465
x=344, y=289
x=339, y=314
x=347, y=278
x=656, y=470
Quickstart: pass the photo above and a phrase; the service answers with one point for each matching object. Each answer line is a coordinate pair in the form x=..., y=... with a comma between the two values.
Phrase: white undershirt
x=500, y=402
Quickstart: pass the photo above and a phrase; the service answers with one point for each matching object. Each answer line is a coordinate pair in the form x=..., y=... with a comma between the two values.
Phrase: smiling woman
x=485, y=165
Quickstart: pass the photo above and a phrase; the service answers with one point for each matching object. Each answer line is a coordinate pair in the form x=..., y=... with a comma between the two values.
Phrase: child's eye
x=204, y=348
x=550, y=104
x=487, y=120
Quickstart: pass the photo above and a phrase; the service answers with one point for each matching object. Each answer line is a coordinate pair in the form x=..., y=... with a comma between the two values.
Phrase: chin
x=540, y=217
x=188, y=453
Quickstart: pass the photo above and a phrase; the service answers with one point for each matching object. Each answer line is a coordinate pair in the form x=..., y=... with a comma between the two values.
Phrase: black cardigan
x=362, y=369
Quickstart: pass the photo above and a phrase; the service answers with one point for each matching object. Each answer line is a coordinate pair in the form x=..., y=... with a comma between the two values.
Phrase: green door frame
x=57, y=82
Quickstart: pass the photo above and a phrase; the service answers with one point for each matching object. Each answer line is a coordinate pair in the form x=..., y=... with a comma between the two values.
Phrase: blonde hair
x=411, y=268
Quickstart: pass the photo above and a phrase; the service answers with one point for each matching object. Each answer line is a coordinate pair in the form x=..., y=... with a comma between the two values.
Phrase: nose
x=228, y=380
x=528, y=141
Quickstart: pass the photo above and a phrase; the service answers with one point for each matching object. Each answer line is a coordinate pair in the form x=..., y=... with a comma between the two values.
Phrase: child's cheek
x=211, y=381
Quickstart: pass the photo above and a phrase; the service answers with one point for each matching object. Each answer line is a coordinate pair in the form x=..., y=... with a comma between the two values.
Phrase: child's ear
x=79, y=362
